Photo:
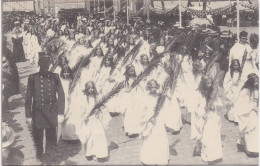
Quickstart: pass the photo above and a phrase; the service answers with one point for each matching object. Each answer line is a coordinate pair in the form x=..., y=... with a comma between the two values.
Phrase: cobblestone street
x=128, y=151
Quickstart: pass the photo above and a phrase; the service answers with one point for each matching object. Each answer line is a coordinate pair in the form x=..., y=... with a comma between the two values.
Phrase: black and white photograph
x=130, y=82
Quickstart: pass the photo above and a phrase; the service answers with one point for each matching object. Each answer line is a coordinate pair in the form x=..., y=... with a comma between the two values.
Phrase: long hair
x=66, y=70
x=249, y=84
x=204, y=90
x=232, y=67
x=127, y=70
x=87, y=86
x=254, y=40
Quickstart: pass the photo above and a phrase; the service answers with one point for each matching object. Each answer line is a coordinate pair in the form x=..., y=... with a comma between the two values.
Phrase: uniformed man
x=43, y=110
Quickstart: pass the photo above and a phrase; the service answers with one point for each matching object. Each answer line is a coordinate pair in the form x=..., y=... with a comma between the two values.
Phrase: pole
x=127, y=13
x=180, y=13
x=148, y=13
x=98, y=5
x=238, y=21
x=114, y=6
x=104, y=8
x=94, y=6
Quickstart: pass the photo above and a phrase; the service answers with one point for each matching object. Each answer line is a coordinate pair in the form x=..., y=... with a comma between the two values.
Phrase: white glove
x=29, y=121
x=60, y=118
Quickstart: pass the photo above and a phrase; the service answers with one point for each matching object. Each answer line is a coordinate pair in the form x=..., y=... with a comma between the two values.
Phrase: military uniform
x=43, y=107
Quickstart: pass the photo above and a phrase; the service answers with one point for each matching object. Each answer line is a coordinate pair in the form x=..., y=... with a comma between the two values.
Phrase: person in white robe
x=69, y=125
x=205, y=124
x=82, y=49
x=238, y=50
x=129, y=105
x=160, y=48
x=232, y=86
x=251, y=58
x=247, y=111
x=155, y=147
x=92, y=127
x=27, y=43
x=70, y=43
x=89, y=72
x=33, y=48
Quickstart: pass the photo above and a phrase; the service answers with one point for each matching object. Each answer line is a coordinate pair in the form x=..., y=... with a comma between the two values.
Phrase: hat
x=26, y=21
x=71, y=31
x=8, y=135
x=225, y=34
x=43, y=57
x=243, y=34
x=16, y=22
x=177, y=24
x=84, y=19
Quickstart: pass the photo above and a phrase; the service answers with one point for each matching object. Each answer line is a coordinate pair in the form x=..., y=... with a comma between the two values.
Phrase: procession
x=160, y=77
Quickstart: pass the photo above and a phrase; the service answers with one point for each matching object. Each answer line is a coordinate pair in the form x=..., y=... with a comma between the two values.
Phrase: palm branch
x=56, y=63
x=136, y=47
x=161, y=98
x=84, y=61
x=115, y=90
x=146, y=72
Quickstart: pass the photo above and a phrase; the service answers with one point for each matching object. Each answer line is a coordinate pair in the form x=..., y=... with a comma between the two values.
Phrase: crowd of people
x=151, y=77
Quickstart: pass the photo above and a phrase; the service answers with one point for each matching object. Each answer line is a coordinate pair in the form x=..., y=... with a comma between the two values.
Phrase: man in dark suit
x=43, y=110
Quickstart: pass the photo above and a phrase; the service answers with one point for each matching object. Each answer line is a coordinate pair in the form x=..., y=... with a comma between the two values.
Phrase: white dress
x=68, y=131
x=172, y=111
x=155, y=147
x=248, y=119
x=211, y=138
x=92, y=131
x=250, y=65
x=77, y=53
x=231, y=91
x=33, y=49
x=130, y=108
x=198, y=110
x=237, y=52
x=206, y=129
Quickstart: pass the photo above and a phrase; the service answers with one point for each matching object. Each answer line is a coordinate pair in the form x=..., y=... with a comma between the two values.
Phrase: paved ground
x=128, y=151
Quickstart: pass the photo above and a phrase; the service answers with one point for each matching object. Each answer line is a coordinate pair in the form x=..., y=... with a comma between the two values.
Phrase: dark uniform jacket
x=44, y=99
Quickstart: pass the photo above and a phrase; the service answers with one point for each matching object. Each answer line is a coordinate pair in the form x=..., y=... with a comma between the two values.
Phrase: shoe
x=102, y=160
x=89, y=158
x=133, y=135
x=215, y=161
x=176, y=132
x=173, y=152
x=240, y=148
x=113, y=146
x=196, y=153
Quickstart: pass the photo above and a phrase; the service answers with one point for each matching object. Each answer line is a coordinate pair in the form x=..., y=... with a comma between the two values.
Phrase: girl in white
x=155, y=146
x=247, y=112
x=232, y=86
x=205, y=124
x=92, y=128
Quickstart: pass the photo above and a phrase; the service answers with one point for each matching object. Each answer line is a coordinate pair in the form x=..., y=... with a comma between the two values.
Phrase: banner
x=219, y=11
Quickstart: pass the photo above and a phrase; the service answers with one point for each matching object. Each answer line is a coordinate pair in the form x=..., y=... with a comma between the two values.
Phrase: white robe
x=250, y=65
x=130, y=108
x=33, y=49
x=155, y=147
x=237, y=52
x=231, y=91
x=206, y=129
x=211, y=138
x=248, y=120
x=92, y=131
x=77, y=53
x=172, y=111
x=69, y=127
